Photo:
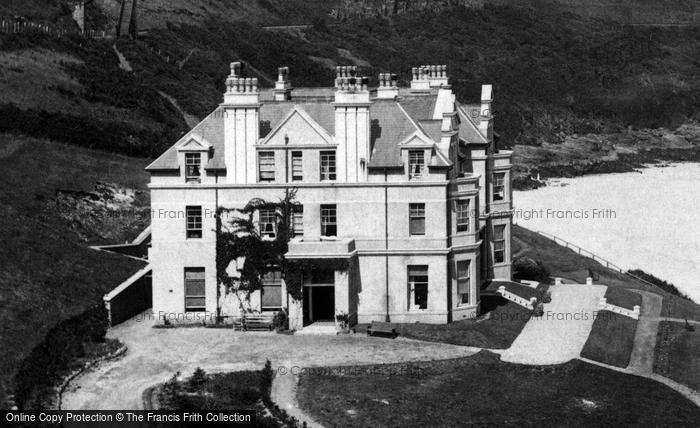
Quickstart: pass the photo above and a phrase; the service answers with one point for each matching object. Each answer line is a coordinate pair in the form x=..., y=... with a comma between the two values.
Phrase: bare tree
x=121, y=18
x=133, y=27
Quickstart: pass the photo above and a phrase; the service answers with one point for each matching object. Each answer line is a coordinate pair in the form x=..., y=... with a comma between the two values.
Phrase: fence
x=594, y=256
x=605, y=306
x=23, y=27
x=528, y=304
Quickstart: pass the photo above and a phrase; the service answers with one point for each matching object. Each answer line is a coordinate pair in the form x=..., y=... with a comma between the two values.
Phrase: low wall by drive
x=632, y=313
x=529, y=304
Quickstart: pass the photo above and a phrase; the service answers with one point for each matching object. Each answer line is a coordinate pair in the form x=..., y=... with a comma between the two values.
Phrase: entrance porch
x=327, y=271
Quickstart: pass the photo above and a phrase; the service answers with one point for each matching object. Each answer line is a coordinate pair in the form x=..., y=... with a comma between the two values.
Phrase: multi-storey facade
x=404, y=184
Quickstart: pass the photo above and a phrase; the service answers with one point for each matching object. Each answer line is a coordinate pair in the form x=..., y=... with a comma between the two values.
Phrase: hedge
x=49, y=361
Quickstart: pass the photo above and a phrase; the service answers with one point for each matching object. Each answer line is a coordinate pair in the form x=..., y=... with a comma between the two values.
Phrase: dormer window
x=193, y=167
x=416, y=163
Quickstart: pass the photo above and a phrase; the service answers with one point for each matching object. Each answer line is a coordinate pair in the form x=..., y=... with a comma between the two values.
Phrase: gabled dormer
x=193, y=156
x=417, y=152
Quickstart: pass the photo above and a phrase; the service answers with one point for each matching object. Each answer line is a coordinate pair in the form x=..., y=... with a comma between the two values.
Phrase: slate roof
x=419, y=107
x=389, y=125
x=211, y=131
x=432, y=128
x=468, y=124
x=391, y=121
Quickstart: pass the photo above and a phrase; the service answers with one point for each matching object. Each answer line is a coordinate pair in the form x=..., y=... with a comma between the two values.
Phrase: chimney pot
x=486, y=92
x=236, y=69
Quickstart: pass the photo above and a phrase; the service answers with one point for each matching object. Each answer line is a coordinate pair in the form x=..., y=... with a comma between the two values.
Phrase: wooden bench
x=381, y=328
x=254, y=322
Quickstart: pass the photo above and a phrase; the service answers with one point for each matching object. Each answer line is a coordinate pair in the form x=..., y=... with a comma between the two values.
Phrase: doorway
x=319, y=304
x=319, y=297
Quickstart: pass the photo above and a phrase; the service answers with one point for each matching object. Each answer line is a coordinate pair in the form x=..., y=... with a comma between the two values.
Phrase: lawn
x=622, y=297
x=48, y=274
x=566, y=263
x=482, y=390
x=611, y=339
x=496, y=331
x=677, y=353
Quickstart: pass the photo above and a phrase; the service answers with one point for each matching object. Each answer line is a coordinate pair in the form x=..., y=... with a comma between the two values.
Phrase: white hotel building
x=404, y=184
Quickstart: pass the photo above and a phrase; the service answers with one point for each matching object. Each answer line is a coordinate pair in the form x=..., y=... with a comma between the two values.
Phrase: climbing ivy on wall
x=240, y=240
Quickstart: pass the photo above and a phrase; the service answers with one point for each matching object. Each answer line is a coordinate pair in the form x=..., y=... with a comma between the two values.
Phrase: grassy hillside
x=156, y=13
x=73, y=90
x=49, y=215
x=556, y=74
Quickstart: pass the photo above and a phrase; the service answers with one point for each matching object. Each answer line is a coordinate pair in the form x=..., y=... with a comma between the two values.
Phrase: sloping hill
x=555, y=73
x=55, y=199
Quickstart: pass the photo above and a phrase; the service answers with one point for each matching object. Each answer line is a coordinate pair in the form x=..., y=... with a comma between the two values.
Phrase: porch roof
x=321, y=249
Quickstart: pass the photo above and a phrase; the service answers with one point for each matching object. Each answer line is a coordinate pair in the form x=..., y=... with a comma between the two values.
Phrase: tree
x=133, y=27
x=120, y=21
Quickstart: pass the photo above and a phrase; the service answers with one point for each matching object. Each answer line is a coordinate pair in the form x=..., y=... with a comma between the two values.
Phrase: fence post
x=589, y=281
x=557, y=281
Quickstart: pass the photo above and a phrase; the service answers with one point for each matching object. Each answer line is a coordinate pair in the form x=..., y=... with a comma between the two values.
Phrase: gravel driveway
x=154, y=355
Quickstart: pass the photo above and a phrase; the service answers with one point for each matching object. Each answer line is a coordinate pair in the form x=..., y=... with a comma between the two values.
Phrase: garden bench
x=382, y=328
x=254, y=322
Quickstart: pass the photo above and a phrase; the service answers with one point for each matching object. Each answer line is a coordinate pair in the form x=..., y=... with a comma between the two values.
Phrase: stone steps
x=319, y=329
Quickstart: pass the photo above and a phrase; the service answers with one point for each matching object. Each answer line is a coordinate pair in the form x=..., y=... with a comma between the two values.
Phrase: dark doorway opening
x=319, y=304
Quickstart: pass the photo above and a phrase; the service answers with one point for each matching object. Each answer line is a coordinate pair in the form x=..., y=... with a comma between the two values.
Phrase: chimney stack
x=426, y=77
x=485, y=116
x=283, y=86
x=388, y=86
x=349, y=88
x=240, y=90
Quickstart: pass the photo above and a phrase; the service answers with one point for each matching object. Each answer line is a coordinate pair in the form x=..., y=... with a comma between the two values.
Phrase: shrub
x=198, y=380
x=539, y=310
x=281, y=321
x=544, y=296
x=170, y=395
x=529, y=269
x=268, y=376
x=87, y=132
x=49, y=361
x=343, y=319
x=666, y=286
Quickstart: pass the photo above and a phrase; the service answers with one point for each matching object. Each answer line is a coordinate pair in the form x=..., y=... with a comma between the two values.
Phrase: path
x=642, y=357
x=154, y=355
x=681, y=320
x=284, y=394
x=190, y=120
x=688, y=393
x=559, y=335
x=124, y=64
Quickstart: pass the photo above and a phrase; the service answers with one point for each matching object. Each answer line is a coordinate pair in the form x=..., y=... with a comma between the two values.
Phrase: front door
x=319, y=303
x=319, y=296
x=323, y=303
